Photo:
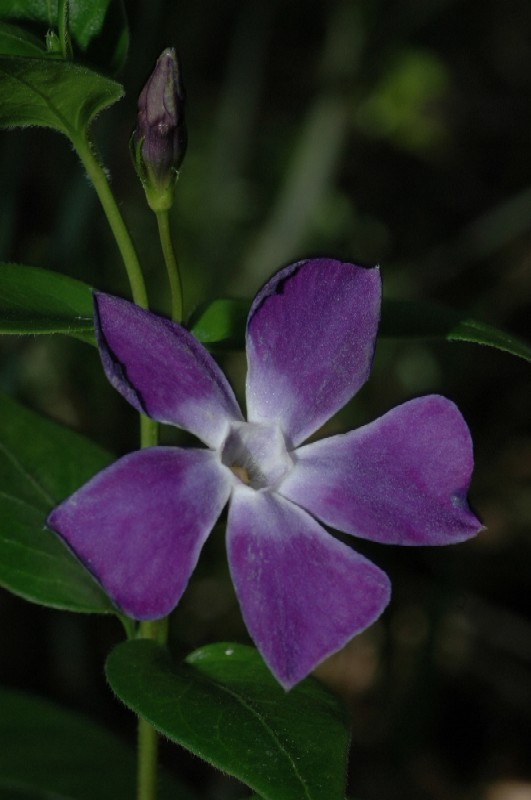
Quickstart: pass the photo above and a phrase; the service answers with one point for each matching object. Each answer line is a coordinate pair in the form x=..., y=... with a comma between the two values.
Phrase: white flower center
x=256, y=454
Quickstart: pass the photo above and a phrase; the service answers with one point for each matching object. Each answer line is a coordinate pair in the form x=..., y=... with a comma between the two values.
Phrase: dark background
x=377, y=132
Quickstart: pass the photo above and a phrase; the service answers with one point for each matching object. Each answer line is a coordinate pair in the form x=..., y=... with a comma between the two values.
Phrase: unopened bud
x=158, y=144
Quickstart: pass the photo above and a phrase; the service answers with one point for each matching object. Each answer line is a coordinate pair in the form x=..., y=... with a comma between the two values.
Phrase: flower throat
x=256, y=454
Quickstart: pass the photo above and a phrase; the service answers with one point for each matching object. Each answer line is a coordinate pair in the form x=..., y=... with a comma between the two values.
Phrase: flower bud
x=158, y=144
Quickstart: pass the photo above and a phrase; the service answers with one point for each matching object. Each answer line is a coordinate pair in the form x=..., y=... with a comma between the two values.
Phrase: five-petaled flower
x=139, y=525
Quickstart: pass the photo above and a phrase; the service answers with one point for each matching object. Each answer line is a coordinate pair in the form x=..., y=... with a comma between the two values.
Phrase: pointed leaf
x=52, y=94
x=225, y=706
x=34, y=300
x=221, y=325
x=410, y=319
x=40, y=464
x=46, y=751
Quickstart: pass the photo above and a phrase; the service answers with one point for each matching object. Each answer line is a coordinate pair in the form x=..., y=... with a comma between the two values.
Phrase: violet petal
x=139, y=525
x=310, y=341
x=402, y=479
x=303, y=594
x=162, y=370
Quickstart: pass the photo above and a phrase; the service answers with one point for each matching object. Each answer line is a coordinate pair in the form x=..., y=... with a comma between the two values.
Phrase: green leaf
x=53, y=94
x=48, y=753
x=221, y=323
x=89, y=22
x=34, y=300
x=15, y=41
x=224, y=706
x=41, y=463
x=411, y=319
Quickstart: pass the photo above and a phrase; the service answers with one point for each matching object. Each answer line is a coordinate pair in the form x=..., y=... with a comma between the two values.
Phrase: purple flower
x=139, y=525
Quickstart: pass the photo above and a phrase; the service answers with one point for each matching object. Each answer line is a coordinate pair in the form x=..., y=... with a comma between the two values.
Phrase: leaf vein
x=66, y=129
x=50, y=501
x=271, y=732
x=21, y=501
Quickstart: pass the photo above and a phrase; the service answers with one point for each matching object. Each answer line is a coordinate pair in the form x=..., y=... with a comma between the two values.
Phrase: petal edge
x=401, y=479
x=311, y=334
x=162, y=370
x=139, y=525
x=303, y=594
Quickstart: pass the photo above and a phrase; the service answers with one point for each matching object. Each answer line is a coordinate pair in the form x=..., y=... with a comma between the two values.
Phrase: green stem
x=157, y=630
x=63, y=12
x=148, y=739
x=148, y=747
x=172, y=267
x=149, y=431
x=96, y=173
x=99, y=180
x=147, y=736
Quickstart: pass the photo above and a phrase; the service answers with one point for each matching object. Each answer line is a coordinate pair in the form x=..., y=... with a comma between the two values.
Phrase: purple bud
x=159, y=141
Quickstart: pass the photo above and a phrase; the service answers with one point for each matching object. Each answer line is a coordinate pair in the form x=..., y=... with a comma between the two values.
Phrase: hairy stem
x=63, y=12
x=99, y=180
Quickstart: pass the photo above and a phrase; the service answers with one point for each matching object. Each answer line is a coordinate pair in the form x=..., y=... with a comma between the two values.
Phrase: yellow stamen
x=242, y=474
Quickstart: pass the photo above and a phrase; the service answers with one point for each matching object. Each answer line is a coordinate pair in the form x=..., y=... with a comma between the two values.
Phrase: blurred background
x=384, y=131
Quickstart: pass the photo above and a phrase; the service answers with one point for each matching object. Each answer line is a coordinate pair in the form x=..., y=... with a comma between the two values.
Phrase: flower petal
x=303, y=594
x=139, y=525
x=402, y=479
x=162, y=370
x=310, y=341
